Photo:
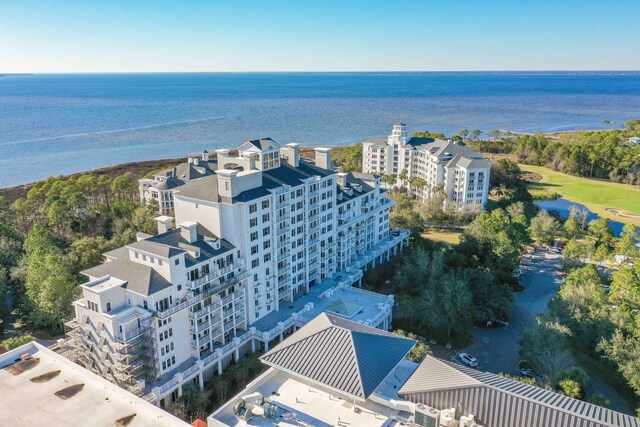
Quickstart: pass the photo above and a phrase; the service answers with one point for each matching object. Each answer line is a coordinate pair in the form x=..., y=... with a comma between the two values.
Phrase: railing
x=282, y=230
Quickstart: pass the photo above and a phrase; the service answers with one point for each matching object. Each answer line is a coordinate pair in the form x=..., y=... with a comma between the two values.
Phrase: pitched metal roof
x=345, y=308
x=435, y=375
x=340, y=354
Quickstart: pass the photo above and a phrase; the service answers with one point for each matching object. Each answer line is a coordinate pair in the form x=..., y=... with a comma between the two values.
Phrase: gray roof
x=155, y=248
x=207, y=188
x=261, y=143
x=440, y=376
x=473, y=163
x=340, y=354
x=419, y=141
x=353, y=181
x=143, y=279
x=140, y=278
x=376, y=141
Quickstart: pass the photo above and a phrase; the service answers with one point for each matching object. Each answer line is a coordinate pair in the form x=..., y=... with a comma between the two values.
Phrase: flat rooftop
x=368, y=301
x=301, y=403
x=49, y=390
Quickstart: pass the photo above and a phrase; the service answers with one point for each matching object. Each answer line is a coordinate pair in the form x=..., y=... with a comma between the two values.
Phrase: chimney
x=292, y=154
x=165, y=223
x=188, y=231
x=252, y=161
x=342, y=179
x=205, y=156
x=196, y=161
x=190, y=160
x=323, y=158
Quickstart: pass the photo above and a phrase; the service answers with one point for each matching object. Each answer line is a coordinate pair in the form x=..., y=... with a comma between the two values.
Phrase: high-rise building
x=258, y=247
x=426, y=166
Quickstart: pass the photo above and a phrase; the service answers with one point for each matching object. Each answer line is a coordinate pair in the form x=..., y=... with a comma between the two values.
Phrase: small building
x=159, y=188
x=40, y=387
x=332, y=372
x=496, y=401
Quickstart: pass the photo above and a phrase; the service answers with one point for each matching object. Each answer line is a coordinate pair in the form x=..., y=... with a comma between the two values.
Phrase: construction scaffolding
x=128, y=360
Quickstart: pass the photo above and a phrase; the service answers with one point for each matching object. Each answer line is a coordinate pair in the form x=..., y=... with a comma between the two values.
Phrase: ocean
x=59, y=124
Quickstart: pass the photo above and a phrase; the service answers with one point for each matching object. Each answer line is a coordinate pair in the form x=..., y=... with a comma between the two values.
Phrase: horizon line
x=566, y=71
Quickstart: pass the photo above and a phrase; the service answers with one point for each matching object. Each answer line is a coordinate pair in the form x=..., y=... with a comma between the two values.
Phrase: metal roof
x=436, y=375
x=340, y=354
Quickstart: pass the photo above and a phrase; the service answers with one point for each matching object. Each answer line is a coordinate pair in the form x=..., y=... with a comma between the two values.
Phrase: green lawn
x=596, y=195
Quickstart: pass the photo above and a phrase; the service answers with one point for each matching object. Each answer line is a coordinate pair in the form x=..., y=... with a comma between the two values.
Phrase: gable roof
x=260, y=144
x=436, y=374
x=346, y=356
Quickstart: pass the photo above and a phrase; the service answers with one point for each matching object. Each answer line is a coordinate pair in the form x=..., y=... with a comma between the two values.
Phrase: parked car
x=528, y=373
x=468, y=360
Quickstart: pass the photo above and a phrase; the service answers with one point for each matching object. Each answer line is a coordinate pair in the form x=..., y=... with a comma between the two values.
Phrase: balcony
x=283, y=230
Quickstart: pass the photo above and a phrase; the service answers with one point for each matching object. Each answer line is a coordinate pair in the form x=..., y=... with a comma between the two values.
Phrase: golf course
x=619, y=202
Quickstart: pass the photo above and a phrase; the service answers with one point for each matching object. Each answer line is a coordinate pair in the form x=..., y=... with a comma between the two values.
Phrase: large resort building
x=258, y=247
x=456, y=170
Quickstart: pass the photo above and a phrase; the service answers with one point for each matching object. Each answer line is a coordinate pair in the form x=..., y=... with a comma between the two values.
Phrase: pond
x=562, y=206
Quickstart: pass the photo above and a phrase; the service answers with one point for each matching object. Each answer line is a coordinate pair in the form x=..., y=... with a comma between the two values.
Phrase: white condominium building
x=428, y=165
x=159, y=188
x=263, y=244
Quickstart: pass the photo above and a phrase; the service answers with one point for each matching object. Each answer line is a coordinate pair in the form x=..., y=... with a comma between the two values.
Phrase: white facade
x=455, y=169
x=262, y=244
x=159, y=188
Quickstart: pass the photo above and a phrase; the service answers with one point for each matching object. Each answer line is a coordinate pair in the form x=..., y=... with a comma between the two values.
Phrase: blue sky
x=323, y=35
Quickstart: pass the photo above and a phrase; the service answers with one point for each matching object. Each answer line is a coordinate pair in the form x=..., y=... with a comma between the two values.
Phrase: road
x=497, y=349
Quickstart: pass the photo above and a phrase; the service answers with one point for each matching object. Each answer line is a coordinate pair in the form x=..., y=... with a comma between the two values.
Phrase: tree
x=11, y=343
x=546, y=345
x=475, y=134
x=123, y=186
x=544, y=228
x=569, y=388
x=389, y=179
x=623, y=350
x=505, y=172
x=627, y=242
x=420, y=350
x=464, y=133
x=601, y=231
x=49, y=281
x=625, y=289
x=349, y=158
x=195, y=401
x=87, y=252
x=571, y=229
x=577, y=250
x=572, y=382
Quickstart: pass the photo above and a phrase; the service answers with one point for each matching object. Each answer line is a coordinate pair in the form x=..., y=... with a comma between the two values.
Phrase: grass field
x=596, y=195
x=451, y=237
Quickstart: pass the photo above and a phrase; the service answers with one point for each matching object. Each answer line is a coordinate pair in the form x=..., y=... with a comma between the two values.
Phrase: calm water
x=562, y=206
x=55, y=124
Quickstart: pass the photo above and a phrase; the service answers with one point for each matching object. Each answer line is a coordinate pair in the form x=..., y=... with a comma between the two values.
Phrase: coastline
x=137, y=169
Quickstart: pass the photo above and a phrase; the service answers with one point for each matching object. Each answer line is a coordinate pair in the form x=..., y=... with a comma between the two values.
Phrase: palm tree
x=389, y=179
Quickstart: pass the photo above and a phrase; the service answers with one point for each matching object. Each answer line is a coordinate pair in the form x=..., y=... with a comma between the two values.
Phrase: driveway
x=497, y=349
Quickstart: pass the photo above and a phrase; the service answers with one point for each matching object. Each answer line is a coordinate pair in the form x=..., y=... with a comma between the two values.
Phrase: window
x=266, y=231
x=253, y=208
x=108, y=307
x=254, y=236
x=178, y=261
x=265, y=218
x=266, y=244
x=265, y=204
x=254, y=250
x=253, y=222
x=255, y=263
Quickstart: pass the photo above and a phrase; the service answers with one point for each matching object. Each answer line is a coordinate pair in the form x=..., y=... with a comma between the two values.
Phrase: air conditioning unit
x=426, y=416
